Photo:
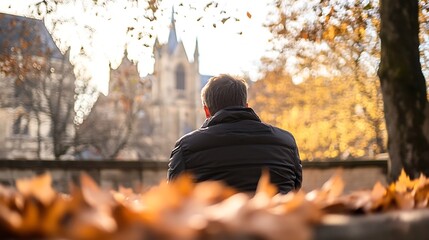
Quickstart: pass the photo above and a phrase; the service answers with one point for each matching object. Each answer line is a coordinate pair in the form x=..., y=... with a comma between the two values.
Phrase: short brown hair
x=224, y=91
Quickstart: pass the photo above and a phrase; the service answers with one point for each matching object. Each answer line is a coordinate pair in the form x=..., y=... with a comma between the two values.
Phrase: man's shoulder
x=258, y=131
x=191, y=136
x=281, y=133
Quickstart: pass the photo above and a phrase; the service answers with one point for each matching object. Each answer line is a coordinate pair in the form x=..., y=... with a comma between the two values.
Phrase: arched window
x=180, y=77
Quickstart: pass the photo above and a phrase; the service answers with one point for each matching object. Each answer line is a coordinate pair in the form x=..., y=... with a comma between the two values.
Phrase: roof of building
x=28, y=34
x=204, y=79
x=172, y=36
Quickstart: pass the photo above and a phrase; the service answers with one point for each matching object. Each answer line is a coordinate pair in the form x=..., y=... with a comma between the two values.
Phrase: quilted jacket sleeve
x=176, y=164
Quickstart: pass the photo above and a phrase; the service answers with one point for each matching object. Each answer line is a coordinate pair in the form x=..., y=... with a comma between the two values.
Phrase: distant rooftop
x=204, y=79
x=28, y=34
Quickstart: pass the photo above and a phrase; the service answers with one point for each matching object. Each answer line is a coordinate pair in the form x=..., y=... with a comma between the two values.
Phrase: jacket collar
x=231, y=114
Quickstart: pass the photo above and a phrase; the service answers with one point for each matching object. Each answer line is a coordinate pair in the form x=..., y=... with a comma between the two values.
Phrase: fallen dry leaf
x=186, y=210
x=38, y=187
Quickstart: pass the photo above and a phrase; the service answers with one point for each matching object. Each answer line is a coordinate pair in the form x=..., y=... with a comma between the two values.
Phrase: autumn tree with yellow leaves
x=336, y=110
x=326, y=117
x=338, y=42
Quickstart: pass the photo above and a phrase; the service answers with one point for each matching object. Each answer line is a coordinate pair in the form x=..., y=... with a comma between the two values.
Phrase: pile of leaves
x=185, y=210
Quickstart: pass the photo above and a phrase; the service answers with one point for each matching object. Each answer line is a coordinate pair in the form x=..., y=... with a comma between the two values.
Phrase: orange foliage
x=329, y=117
x=186, y=210
x=336, y=111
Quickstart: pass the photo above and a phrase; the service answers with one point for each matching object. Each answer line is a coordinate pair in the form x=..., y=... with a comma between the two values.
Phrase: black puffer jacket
x=234, y=146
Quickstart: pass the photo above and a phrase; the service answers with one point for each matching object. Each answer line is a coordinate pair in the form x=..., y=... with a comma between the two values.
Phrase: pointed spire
x=156, y=48
x=157, y=44
x=125, y=51
x=125, y=58
x=196, y=51
x=172, y=37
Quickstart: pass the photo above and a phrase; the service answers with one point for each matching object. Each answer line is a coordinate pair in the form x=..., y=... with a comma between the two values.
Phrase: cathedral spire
x=172, y=37
x=156, y=48
x=196, y=51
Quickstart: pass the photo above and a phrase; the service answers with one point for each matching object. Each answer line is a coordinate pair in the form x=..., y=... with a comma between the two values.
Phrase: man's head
x=223, y=91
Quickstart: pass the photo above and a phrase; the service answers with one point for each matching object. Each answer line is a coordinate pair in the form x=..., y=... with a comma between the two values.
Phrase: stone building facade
x=32, y=69
x=176, y=107
x=166, y=104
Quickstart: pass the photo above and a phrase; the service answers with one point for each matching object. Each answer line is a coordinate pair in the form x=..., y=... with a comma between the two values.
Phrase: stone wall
x=112, y=174
x=108, y=174
x=357, y=175
x=355, y=179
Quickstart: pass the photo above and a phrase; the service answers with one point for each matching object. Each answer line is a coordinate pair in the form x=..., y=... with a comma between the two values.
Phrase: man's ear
x=247, y=105
x=207, y=111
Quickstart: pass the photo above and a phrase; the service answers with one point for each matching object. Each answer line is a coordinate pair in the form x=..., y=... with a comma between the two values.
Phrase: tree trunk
x=379, y=140
x=403, y=87
x=39, y=135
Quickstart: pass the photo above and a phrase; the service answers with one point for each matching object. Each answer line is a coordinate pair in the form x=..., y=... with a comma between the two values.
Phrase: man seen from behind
x=233, y=145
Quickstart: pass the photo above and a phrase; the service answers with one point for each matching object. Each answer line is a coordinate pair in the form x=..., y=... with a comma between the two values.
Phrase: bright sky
x=222, y=49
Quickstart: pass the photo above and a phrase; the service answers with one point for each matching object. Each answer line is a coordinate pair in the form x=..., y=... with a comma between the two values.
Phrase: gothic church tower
x=176, y=85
